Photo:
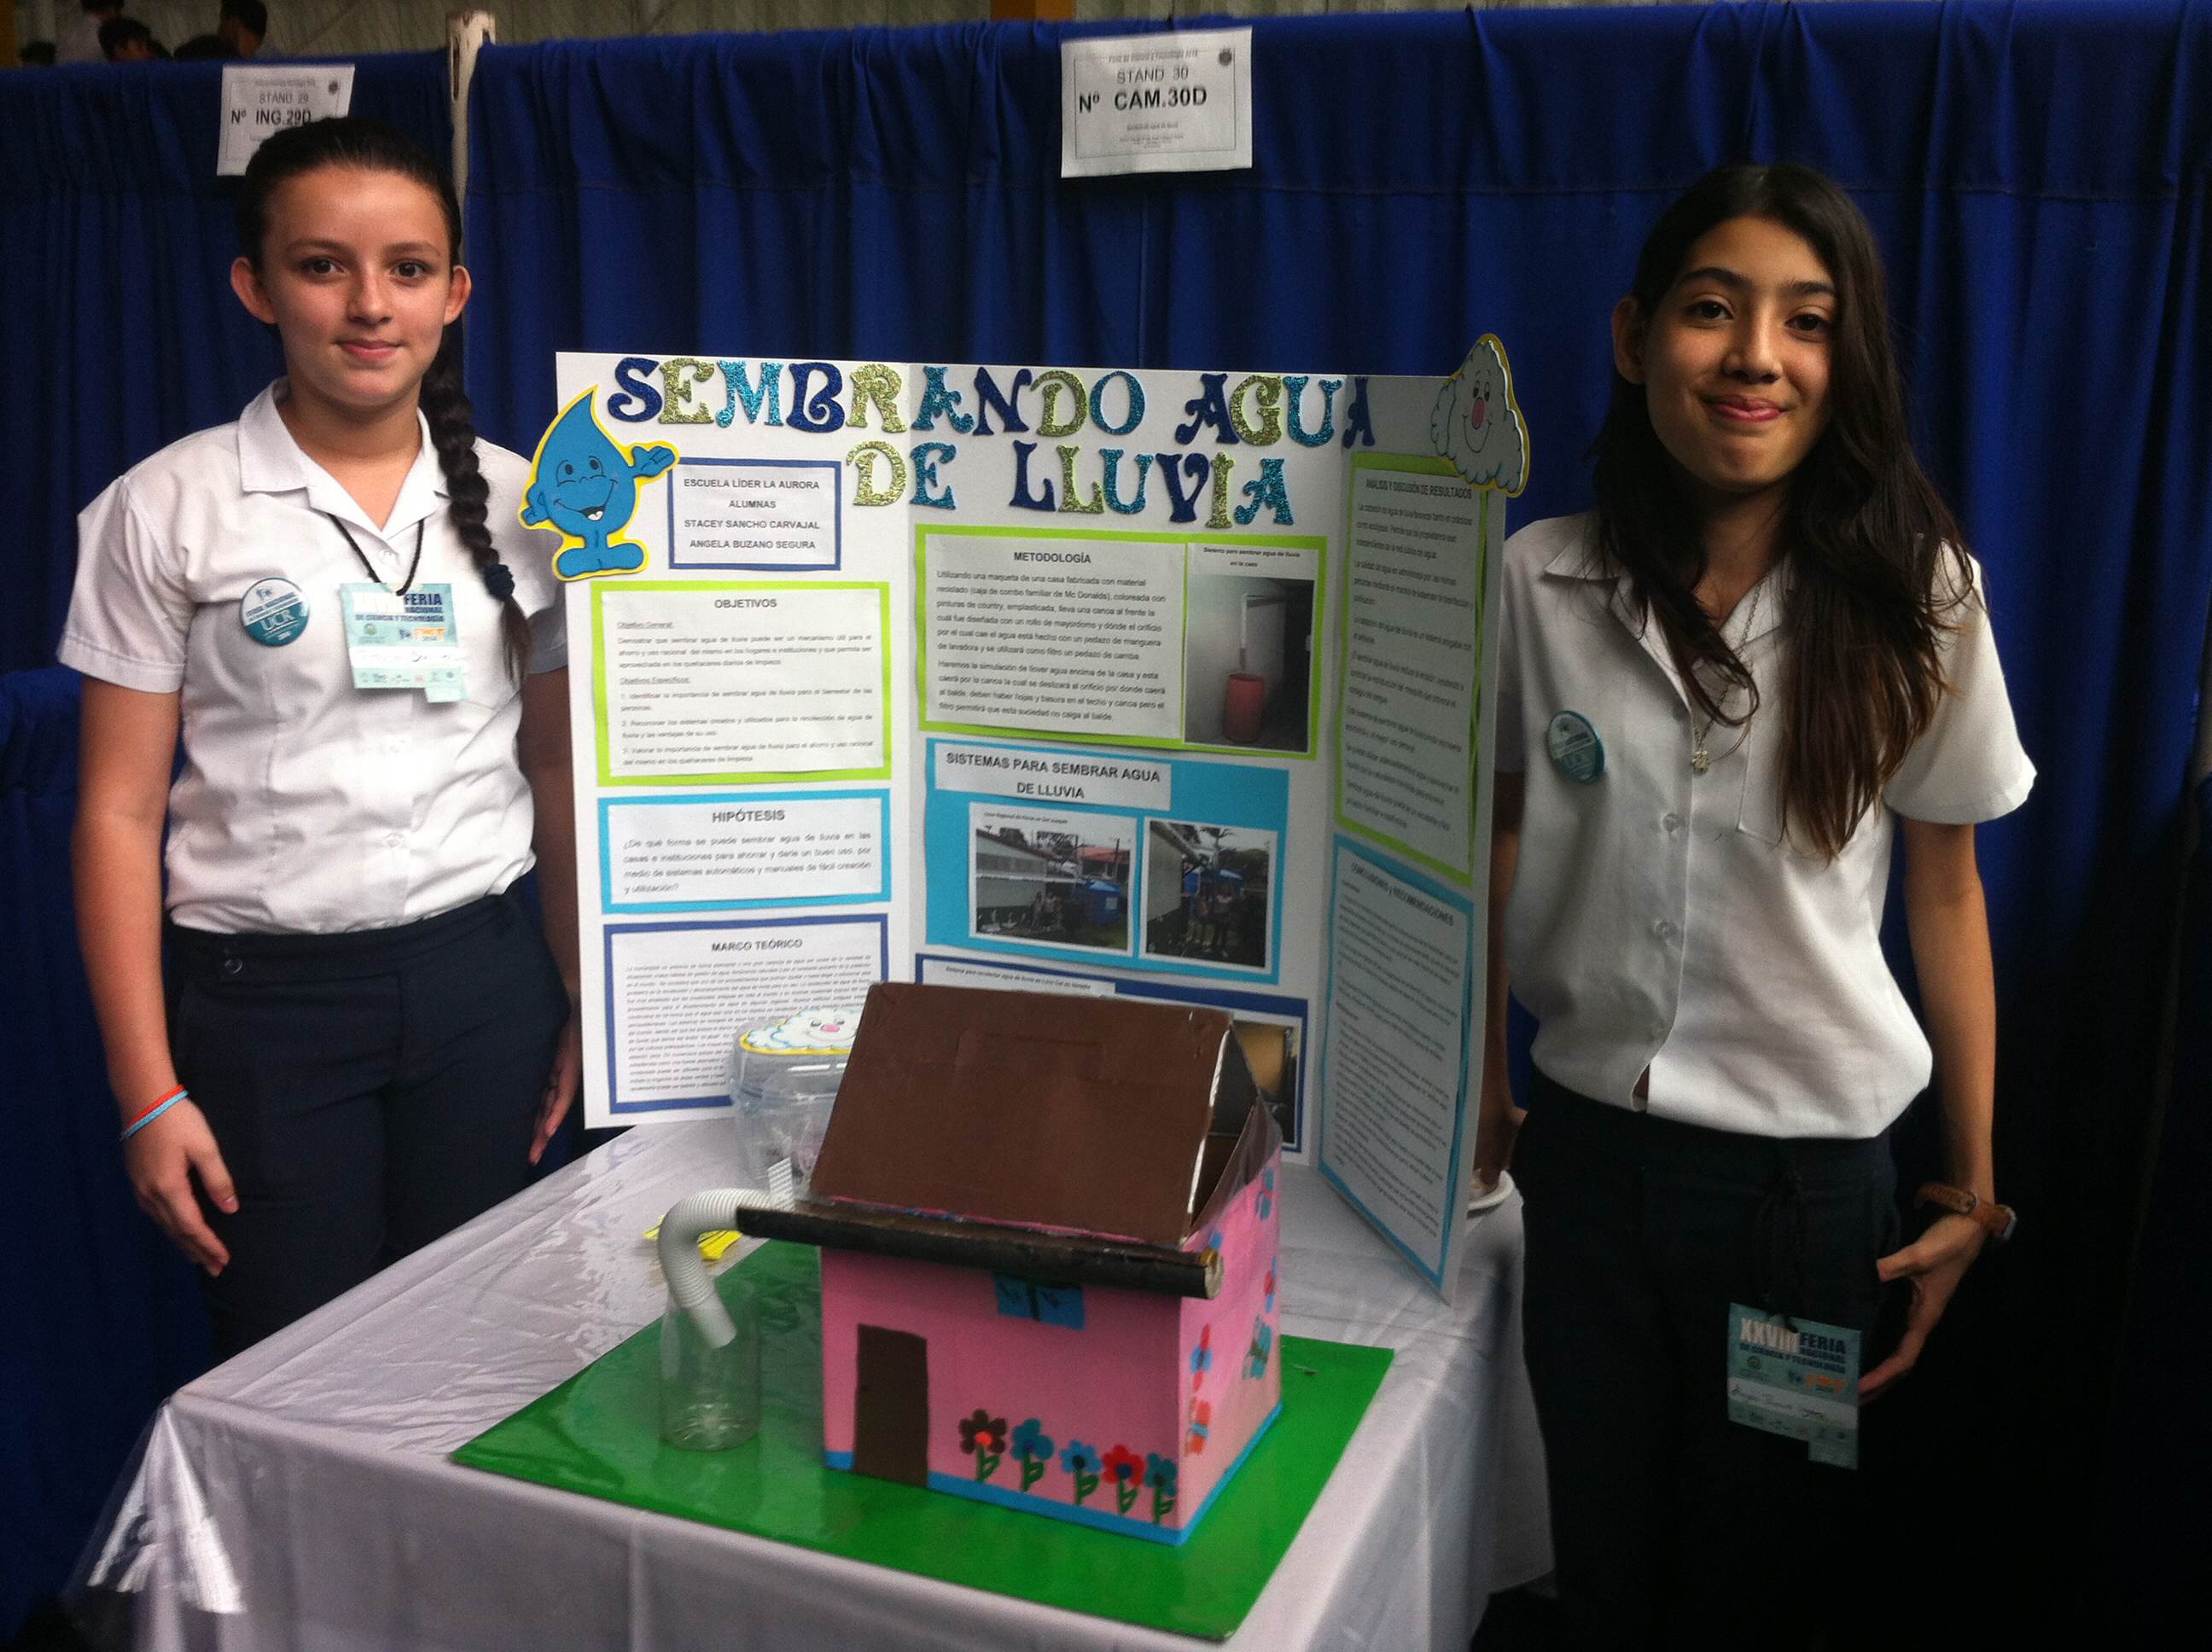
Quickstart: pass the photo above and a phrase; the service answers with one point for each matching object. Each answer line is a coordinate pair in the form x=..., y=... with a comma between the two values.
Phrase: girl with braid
x=336, y=1033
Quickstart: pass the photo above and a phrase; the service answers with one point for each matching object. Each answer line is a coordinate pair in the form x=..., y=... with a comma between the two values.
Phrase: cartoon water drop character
x=584, y=485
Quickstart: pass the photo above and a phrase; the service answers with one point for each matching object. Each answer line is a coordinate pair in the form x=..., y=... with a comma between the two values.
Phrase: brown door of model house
x=891, y=1407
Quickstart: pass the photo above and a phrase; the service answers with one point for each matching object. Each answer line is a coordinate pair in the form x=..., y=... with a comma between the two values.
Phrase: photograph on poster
x=1206, y=893
x=1051, y=879
x=1247, y=660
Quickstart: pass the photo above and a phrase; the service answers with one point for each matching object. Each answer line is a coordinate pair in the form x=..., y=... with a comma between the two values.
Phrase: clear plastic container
x=710, y=1398
x=783, y=1081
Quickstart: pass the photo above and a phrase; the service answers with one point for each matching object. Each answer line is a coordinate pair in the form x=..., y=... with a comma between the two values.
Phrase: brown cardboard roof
x=1087, y=1114
x=1022, y=1253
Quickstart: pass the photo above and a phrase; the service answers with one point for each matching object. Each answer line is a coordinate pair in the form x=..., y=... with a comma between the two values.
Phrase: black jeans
x=369, y=1092
x=1672, y=1526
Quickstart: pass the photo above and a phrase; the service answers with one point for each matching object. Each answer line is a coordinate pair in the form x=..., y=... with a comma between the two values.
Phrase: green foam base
x=599, y=1433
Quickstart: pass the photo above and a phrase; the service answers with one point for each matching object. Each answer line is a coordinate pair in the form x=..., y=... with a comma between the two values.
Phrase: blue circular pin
x=1576, y=752
x=273, y=611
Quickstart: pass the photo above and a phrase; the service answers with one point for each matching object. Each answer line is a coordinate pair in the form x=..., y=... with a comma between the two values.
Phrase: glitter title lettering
x=1063, y=432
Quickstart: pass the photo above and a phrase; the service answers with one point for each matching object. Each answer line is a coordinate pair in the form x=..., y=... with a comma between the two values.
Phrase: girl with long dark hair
x=1761, y=661
x=364, y=1040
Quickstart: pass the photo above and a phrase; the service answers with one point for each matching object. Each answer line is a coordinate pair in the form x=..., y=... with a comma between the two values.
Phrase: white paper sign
x=1180, y=101
x=261, y=100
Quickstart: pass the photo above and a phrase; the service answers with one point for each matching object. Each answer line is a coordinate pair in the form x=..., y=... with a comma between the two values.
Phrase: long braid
x=451, y=418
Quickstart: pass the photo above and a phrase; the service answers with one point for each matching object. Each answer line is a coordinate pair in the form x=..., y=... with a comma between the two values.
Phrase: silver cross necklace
x=1700, y=759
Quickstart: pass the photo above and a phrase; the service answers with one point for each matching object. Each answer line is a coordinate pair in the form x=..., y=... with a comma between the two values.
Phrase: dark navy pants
x=1672, y=1526
x=369, y=1092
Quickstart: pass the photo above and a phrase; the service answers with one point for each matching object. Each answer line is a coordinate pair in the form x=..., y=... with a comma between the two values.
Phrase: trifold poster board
x=1158, y=684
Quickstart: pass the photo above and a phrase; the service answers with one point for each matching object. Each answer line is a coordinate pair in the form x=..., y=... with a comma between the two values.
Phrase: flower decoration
x=1033, y=1450
x=1214, y=1239
x=1160, y=1474
x=983, y=1436
x=1126, y=1469
x=1269, y=1305
x=1081, y=1461
x=1265, y=1202
x=1255, y=1357
x=1201, y=1357
x=1201, y=1418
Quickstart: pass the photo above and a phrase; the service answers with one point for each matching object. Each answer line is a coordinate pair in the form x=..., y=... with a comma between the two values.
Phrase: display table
x=301, y=1496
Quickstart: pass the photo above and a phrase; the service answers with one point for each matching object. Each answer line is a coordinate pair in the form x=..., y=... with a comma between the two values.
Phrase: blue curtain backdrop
x=2038, y=176
x=120, y=335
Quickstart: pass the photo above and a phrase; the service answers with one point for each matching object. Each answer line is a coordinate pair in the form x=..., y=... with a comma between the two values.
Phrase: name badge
x=1576, y=752
x=1797, y=1378
x=403, y=639
x=273, y=611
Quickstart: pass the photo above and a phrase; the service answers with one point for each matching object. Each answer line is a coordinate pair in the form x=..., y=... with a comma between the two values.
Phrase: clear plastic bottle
x=710, y=1397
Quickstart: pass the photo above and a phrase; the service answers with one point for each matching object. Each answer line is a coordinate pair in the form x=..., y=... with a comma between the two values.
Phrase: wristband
x=1998, y=1221
x=153, y=1113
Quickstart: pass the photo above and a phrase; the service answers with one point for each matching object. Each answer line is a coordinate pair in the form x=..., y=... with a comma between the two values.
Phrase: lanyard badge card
x=1797, y=1378
x=402, y=639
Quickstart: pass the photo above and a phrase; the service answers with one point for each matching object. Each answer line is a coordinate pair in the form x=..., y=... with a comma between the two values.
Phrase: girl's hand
x=1935, y=1262
x=1496, y=1128
x=162, y=1160
x=560, y=1086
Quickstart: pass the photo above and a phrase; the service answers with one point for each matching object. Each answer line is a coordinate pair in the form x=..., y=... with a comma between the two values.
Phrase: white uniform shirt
x=1658, y=920
x=305, y=804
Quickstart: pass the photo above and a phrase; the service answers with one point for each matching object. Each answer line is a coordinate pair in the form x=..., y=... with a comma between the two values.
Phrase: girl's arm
x=543, y=751
x=129, y=745
x=1498, y=1117
x=1950, y=931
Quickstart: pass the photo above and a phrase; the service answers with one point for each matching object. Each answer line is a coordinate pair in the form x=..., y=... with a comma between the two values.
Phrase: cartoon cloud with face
x=1477, y=424
x=584, y=485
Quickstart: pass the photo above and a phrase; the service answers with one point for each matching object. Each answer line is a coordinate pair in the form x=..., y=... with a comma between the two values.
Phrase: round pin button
x=273, y=611
x=1576, y=752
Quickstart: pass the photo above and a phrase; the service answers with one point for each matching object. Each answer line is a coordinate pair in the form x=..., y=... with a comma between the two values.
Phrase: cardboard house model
x=1049, y=1245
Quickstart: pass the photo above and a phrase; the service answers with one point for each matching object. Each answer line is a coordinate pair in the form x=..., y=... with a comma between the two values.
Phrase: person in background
x=125, y=39
x=238, y=33
x=79, y=34
x=245, y=24
x=1226, y=900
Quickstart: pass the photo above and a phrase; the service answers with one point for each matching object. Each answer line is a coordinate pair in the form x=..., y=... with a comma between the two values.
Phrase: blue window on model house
x=1051, y=1304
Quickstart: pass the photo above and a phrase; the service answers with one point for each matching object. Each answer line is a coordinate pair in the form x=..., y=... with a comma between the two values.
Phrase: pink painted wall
x=1107, y=1384
x=1236, y=1402
x=1128, y=1378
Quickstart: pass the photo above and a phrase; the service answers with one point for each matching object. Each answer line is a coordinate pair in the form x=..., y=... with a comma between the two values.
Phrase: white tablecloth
x=300, y=1497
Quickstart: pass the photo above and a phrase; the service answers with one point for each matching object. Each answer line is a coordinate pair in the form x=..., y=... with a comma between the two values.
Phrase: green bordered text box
x=780, y=777
x=1318, y=544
